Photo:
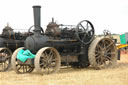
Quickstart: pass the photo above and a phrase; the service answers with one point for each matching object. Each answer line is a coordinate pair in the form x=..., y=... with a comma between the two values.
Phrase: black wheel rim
x=85, y=31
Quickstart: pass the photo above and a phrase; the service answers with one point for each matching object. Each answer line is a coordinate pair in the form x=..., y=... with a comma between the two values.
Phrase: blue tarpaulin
x=23, y=55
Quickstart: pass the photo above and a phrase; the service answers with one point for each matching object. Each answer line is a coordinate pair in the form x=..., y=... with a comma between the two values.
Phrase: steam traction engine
x=9, y=41
x=64, y=45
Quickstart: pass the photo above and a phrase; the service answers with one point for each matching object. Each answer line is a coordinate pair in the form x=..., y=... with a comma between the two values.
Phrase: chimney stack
x=36, y=11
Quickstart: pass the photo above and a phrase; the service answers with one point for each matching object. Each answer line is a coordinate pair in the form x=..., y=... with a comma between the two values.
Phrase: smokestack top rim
x=36, y=6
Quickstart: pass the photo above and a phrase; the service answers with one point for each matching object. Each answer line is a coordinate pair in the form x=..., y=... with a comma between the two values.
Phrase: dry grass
x=111, y=76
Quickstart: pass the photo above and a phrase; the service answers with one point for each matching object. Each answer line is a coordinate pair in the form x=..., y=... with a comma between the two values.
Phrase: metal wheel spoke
x=23, y=69
x=103, y=42
x=99, y=46
x=87, y=27
x=109, y=45
x=42, y=55
x=29, y=69
x=8, y=57
x=50, y=52
x=44, y=60
x=91, y=31
x=45, y=65
x=19, y=67
x=98, y=57
x=41, y=63
x=101, y=61
x=104, y=63
x=98, y=52
x=26, y=68
x=108, y=49
x=6, y=63
x=51, y=66
x=108, y=58
x=98, y=61
x=111, y=53
x=51, y=56
x=82, y=26
x=54, y=60
x=46, y=55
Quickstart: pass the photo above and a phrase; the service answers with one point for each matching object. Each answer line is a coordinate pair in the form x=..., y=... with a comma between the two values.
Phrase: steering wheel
x=85, y=31
x=29, y=30
x=107, y=33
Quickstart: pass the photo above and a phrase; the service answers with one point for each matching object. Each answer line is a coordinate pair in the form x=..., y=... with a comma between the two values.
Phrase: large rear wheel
x=102, y=53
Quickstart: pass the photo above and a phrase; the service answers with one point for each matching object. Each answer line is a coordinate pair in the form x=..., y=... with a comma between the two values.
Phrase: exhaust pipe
x=37, y=27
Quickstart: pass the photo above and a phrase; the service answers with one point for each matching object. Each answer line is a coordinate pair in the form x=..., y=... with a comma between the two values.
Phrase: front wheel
x=47, y=60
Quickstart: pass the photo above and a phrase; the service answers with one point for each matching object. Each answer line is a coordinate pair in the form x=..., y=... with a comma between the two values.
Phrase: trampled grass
x=117, y=75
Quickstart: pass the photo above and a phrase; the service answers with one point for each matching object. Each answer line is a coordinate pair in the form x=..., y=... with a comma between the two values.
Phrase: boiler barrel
x=36, y=42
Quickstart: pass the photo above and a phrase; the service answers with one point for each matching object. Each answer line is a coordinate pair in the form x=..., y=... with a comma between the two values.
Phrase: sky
x=104, y=14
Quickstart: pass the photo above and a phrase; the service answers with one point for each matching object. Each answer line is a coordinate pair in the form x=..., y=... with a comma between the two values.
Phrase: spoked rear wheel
x=18, y=66
x=102, y=53
x=47, y=60
x=5, y=59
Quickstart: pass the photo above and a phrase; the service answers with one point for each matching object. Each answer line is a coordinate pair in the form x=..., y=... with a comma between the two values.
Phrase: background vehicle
x=9, y=41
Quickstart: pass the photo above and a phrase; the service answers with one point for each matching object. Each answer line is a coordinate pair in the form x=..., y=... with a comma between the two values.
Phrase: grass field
x=68, y=76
